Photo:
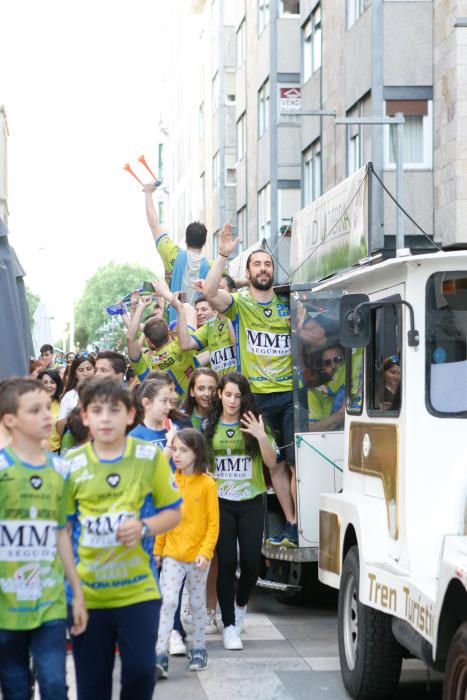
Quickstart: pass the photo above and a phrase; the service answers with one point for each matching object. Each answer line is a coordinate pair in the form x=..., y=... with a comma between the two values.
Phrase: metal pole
x=399, y=143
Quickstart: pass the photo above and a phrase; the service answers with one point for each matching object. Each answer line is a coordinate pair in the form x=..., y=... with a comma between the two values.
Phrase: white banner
x=330, y=234
x=237, y=266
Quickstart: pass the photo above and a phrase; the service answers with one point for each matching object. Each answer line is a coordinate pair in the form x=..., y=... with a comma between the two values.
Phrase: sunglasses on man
x=336, y=360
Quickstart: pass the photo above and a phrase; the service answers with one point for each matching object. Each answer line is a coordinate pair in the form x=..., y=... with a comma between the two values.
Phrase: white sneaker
x=176, y=644
x=239, y=617
x=231, y=639
x=211, y=624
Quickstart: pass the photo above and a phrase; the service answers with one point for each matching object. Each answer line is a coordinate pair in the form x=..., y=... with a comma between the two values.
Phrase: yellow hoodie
x=197, y=532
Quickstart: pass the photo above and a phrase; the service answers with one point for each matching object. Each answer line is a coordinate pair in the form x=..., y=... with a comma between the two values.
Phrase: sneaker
x=291, y=536
x=231, y=639
x=198, y=660
x=176, y=644
x=211, y=624
x=240, y=613
x=162, y=665
x=279, y=538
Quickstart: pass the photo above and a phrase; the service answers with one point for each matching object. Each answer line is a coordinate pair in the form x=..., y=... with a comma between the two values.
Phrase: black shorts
x=278, y=411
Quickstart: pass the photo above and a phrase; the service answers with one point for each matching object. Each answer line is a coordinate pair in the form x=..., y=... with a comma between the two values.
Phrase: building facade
x=253, y=158
x=3, y=166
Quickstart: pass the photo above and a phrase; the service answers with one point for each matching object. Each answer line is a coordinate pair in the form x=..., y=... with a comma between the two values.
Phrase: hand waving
x=227, y=244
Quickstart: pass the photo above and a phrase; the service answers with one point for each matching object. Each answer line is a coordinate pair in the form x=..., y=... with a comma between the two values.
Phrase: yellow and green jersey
x=262, y=331
x=168, y=250
x=215, y=336
x=239, y=476
x=33, y=505
x=103, y=494
x=171, y=359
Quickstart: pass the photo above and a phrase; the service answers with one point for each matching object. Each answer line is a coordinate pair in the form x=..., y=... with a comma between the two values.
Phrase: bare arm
x=186, y=315
x=132, y=342
x=333, y=422
x=151, y=213
x=65, y=552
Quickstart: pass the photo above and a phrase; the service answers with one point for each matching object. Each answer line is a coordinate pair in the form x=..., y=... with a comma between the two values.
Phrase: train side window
x=384, y=361
x=446, y=344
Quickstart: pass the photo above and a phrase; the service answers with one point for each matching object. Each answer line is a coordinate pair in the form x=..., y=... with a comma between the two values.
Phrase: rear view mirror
x=354, y=328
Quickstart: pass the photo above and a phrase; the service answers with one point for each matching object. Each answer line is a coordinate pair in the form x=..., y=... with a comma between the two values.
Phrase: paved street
x=290, y=654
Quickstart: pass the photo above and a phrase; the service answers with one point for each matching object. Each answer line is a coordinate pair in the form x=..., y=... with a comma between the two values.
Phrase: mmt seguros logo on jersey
x=267, y=343
x=101, y=530
x=28, y=540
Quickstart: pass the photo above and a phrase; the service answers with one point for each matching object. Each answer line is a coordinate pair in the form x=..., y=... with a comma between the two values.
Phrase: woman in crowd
x=239, y=444
x=50, y=378
x=201, y=390
x=82, y=367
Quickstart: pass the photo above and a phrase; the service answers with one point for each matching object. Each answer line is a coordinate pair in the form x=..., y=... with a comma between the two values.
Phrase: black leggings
x=242, y=521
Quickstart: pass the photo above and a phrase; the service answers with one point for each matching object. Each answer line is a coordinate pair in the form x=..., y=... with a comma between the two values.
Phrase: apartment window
x=242, y=229
x=160, y=161
x=241, y=137
x=311, y=34
x=241, y=44
x=215, y=171
x=263, y=15
x=215, y=93
x=312, y=173
x=201, y=121
x=263, y=108
x=202, y=190
x=354, y=10
x=264, y=212
x=215, y=244
x=230, y=170
x=229, y=88
x=417, y=134
x=354, y=151
x=289, y=8
x=161, y=212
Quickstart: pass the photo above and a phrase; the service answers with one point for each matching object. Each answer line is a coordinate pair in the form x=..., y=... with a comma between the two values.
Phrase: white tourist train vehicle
x=393, y=540
x=382, y=474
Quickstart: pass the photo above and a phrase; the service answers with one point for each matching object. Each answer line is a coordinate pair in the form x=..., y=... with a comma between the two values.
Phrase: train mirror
x=355, y=321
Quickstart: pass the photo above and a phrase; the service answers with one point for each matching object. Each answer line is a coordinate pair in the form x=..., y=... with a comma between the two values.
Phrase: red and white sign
x=290, y=99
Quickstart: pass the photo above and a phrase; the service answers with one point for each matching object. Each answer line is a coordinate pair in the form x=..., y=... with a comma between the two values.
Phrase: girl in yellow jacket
x=187, y=550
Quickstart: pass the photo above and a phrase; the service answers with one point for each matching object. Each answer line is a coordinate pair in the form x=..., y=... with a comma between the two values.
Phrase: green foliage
x=33, y=301
x=110, y=283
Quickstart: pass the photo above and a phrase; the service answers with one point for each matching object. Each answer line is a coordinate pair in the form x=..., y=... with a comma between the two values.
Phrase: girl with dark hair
x=152, y=399
x=187, y=550
x=201, y=390
x=82, y=367
x=50, y=378
x=180, y=419
x=240, y=444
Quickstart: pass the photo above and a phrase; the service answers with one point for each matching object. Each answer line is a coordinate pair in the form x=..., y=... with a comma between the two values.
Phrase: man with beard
x=261, y=321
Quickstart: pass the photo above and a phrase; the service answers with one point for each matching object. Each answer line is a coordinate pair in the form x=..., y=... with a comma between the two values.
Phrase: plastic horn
x=142, y=160
x=129, y=169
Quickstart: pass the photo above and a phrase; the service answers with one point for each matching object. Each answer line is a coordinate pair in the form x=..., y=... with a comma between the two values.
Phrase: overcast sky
x=81, y=85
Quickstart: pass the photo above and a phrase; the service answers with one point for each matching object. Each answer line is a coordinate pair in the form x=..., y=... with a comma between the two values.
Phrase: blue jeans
x=134, y=629
x=47, y=645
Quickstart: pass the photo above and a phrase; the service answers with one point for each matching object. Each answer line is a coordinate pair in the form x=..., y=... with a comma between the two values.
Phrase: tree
x=110, y=283
x=33, y=301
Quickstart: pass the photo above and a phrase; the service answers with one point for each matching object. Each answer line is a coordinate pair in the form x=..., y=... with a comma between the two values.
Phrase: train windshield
x=446, y=344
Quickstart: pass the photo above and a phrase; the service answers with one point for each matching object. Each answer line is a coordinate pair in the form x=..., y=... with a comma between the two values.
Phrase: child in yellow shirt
x=187, y=550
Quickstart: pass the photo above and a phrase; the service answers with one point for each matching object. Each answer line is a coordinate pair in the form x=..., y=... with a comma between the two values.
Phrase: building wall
x=450, y=112
x=414, y=51
x=3, y=166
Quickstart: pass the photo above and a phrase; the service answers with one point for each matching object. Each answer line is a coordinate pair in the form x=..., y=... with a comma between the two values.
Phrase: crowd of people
x=118, y=466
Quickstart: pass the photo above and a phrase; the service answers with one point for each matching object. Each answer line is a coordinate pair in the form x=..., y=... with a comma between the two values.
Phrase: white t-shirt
x=68, y=403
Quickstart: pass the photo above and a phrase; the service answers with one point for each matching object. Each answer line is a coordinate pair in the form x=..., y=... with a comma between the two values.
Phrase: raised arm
x=186, y=315
x=132, y=343
x=151, y=213
x=219, y=298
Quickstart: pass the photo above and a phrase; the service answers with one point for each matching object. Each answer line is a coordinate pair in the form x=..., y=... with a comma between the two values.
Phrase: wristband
x=145, y=531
